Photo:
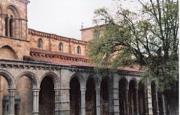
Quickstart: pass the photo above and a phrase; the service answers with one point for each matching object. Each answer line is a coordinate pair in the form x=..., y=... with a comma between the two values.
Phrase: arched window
x=11, y=27
x=12, y=22
x=40, y=43
x=6, y=25
x=61, y=47
x=78, y=50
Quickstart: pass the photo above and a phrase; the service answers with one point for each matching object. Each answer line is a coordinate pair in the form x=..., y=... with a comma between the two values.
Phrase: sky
x=63, y=17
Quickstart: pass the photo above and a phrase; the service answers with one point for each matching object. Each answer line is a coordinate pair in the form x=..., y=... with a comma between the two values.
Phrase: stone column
x=156, y=101
x=163, y=104
x=127, y=100
x=83, y=101
x=148, y=98
x=116, y=101
x=98, y=103
x=11, y=101
x=137, y=101
x=36, y=101
x=64, y=101
x=57, y=101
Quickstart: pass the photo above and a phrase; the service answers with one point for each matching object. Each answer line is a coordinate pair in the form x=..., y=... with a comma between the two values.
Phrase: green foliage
x=148, y=38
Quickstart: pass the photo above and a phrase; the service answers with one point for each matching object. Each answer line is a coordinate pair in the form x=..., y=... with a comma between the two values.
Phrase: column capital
x=83, y=89
x=36, y=90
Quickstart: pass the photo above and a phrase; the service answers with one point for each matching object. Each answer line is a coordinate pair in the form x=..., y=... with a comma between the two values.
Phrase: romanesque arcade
x=26, y=87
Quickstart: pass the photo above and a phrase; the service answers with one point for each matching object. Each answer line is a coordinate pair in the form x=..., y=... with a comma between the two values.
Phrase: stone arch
x=12, y=10
x=12, y=22
x=82, y=80
x=8, y=76
x=54, y=77
x=25, y=83
x=48, y=84
x=7, y=52
x=32, y=76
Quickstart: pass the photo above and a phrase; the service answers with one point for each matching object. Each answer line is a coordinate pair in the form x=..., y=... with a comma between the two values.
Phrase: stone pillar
x=98, y=103
x=116, y=101
x=163, y=104
x=36, y=101
x=83, y=101
x=57, y=101
x=11, y=101
x=137, y=101
x=127, y=100
x=64, y=101
x=148, y=98
x=156, y=101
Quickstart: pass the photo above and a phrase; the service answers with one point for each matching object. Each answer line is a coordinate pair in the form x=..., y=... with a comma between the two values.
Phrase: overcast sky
x=63, y=17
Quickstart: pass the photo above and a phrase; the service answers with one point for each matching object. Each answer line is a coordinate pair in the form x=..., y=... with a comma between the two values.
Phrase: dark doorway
x=104, y=97
x=47, y=97
x=75, y=97
x=90, y=97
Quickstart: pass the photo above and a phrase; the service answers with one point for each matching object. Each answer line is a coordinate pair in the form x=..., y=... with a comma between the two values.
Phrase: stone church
x=47, y=74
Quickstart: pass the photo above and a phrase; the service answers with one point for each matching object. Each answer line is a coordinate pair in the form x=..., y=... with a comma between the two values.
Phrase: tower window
x=6, y=25
x=40, y=43
x=11, y=26
x=61, y=47
x=78, y=50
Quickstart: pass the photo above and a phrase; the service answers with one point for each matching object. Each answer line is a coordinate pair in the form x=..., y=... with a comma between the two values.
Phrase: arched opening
x=122, y=96
x=6, y=25
x=24, y=105
x=40, y=43
x=47, y=97
x=90, y=97
x=78, y=50
x=6, y=52
x=141, y=94
x=61, y=47
x=11, y=22
x=75, y=96
x=4, y=105
x=104, y=93
x=11, y=26
x=132, y=97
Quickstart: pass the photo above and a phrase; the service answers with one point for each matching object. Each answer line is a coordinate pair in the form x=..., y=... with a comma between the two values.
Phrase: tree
x=148, y=37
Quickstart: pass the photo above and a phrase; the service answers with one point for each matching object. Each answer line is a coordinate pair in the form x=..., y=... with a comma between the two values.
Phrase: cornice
x=54, y=36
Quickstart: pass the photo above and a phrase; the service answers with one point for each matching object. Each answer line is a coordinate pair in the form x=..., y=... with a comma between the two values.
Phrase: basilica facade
x=48, y=74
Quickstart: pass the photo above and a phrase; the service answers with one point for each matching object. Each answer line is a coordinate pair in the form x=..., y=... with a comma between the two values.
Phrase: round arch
x=8, y=77
x=10, y=52
x=32, y=76
x=12, y=10
x=54, y=77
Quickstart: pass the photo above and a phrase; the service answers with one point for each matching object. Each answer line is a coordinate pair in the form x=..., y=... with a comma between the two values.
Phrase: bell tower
x=14, y=43
x=13, y=19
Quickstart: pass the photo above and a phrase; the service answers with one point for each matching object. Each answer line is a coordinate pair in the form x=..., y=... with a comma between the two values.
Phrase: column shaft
x=36, y=102
x=83, y=101
x=57, y=101
x=163, y=104
x=116, y=101
x=156, y=101
x=98, y=109
x=12, y=101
